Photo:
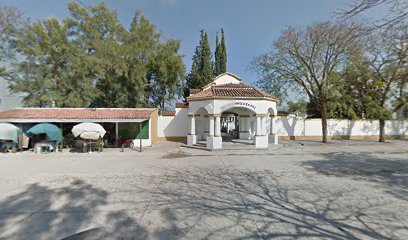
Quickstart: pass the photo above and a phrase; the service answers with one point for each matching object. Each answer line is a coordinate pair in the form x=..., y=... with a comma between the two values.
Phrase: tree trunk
x=382, y=131
x=324, y=121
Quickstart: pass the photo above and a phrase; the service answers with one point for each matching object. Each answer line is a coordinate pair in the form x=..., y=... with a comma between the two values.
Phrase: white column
x=214, y=142
x=272, y=130
x=192, y=125
x=273, y=137
x=263, y=120
x=217, y=126
x=261, y=140
x=192, y=137
x=211, y=126
x=258, y=126
x=247, y=123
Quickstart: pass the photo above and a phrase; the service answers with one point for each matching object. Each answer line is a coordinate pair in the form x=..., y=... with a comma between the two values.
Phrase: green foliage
x=10, y=21
x=90, y=59
x=50, y=70
x=166, y=70
x=298, y=108
x=217, y=57
x=220, y=55
x=201, y=72
x=223, y=50
x=375, y=72
x=205, y=64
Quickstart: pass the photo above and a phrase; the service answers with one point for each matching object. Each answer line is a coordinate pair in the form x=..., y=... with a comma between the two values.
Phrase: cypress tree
x=201, y=69
x=206, y=69
x=217, y=56
x=223, y=53
x=193, y=78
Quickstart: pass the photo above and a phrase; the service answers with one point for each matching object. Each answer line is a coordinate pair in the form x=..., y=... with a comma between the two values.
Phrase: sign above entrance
x=238, y=104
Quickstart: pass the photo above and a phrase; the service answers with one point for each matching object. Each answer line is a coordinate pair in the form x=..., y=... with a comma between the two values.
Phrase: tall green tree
x=90, y=59
x=100, y=33
x=140, y=47
x=166, y=71
x=223, y=55
x=10, y=21
x=217, y=57
x=49, y=73
x=206, y=67
x=220, y=55
x=375, y=73
x=201, y=72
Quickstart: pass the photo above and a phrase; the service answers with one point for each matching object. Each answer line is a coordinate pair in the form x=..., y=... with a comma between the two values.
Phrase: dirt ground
x=295, y=190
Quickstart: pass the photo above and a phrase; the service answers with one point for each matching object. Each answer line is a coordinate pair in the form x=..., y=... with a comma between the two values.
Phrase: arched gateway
x=238, y=109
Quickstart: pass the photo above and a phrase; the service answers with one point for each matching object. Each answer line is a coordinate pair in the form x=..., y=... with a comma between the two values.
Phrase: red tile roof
x=194, y=90
x=77, y=113
x=283, y=113
x=168, y=113
x=231, y=90
x=182, y=105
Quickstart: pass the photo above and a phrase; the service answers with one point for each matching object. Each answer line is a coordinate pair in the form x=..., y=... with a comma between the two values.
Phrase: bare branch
x=397, y=11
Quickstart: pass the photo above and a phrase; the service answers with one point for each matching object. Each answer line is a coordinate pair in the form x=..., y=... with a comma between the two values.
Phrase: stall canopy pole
x=62, y=139
x=140, y=136
x=117, y=133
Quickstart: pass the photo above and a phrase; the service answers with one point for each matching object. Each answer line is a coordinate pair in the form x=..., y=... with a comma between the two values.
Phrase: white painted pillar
x=214, y=139
x=258, y=126
x=218, y=126
x=272, y=130
x=248, y=124
x=261, y=140
x=263, y=120
x=192, y=137
x=192, y=125
x=211, y=126
x=273, y=137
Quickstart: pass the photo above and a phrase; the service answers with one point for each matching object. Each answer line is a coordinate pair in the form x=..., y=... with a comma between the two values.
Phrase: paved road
x=298, y=190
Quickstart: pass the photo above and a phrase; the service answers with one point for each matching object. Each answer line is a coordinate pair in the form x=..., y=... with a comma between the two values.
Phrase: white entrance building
x=227, y=104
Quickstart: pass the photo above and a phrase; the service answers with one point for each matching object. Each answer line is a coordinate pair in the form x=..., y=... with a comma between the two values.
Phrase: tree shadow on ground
x=255, y=205
x=390, y=174
x=68, y=212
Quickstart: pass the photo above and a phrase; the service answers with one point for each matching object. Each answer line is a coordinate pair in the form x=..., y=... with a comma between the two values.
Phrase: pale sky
x=250, y=26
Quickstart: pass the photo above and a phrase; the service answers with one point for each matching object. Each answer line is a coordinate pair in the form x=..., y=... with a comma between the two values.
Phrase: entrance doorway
x=229, y=126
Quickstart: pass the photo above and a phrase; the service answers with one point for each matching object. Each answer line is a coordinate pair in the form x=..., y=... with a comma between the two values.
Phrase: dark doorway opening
x=229, y=126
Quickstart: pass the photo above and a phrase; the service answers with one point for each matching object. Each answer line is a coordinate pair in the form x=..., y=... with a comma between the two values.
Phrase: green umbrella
x=9, y=132
x=53, y=132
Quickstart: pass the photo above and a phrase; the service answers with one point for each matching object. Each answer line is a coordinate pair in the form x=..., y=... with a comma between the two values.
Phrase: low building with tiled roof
x=76, y=114
x=120, y=123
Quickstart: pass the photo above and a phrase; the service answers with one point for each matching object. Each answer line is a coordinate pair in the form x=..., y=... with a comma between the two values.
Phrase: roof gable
x=224, y=78
x=231, y=90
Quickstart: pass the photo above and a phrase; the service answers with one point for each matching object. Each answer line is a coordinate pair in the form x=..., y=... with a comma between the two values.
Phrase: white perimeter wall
x=292, y=126
x=178, y=125
x=174, y=126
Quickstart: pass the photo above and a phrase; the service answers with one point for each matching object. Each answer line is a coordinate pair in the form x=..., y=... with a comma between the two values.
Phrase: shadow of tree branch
x=391, y=174
x=68, y=212
x=257, y=205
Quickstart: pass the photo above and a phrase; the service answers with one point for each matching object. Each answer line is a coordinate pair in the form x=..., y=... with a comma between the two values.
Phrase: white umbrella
x=9, y=132
x=88, y=130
